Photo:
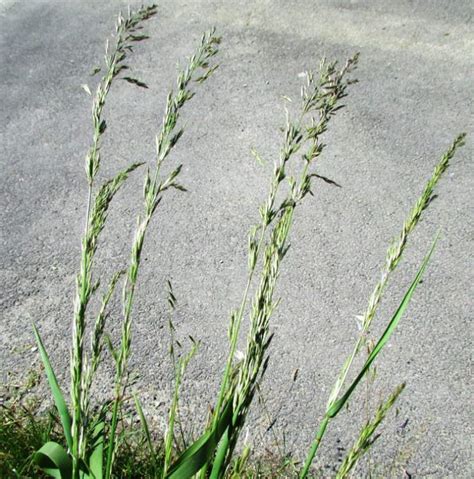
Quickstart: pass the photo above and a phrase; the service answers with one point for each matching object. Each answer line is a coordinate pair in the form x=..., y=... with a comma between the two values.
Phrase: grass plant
x=82, y=441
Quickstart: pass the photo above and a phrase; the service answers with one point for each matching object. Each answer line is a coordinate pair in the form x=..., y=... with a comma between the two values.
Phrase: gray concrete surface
x=414, y=96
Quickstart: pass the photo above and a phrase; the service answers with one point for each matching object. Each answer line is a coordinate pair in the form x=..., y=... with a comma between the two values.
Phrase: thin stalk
x=85, y=288
x=111, y=448
x=169, y=436
x=88, y=209
x=263, y=307
x=314, y=446
x=235, y=332
x=254, y=254
x=237, y=320
x=148, y=438
x=153, y=193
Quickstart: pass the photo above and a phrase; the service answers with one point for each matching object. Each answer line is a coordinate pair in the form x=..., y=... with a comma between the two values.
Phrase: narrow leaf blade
x=55, y=390
x=146, y=429
x=97, y=456
x=338, y=405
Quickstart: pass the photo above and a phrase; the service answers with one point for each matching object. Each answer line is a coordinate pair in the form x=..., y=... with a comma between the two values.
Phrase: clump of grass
x=92, y=440
x=25, y=427
x=22, y=432
x=97, y=442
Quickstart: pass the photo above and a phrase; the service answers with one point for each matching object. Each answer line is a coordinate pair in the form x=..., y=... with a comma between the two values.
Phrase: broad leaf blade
x=54, y=461
x=97, y=456
x=55, y=390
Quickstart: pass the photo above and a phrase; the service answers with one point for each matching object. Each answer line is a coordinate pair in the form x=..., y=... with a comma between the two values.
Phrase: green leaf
x=339, y=404
x=146, y=429
x=55, y=390
x=200, y=452
x=54, y=461
x=96, y=458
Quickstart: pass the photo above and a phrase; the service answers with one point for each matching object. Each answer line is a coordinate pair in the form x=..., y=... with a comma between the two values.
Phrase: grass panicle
x=366, y=436
x=81, y=457
x=197, y=69
x=269, y=239
x=95, y=219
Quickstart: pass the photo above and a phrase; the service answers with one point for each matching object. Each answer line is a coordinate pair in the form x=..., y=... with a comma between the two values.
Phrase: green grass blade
x=219, y=465
x=55, y=390
x=180, y=369
x=201, y=452
x=339, y=404
x=112, y=442
x=54, y=461
x=97, y=456
x=146, y=431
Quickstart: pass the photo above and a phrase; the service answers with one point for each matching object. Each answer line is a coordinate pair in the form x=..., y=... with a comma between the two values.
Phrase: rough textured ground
x=414, y=96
